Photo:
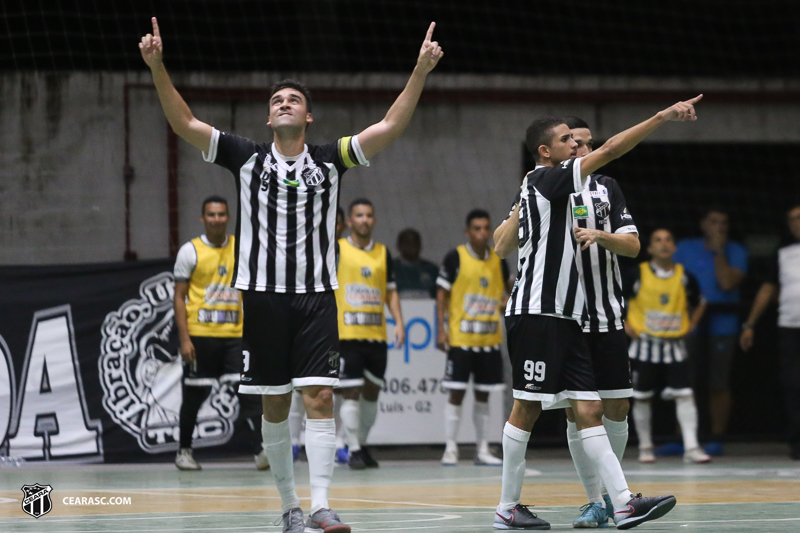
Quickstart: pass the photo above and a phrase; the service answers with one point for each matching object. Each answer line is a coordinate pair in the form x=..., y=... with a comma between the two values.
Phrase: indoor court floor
x=734, y=493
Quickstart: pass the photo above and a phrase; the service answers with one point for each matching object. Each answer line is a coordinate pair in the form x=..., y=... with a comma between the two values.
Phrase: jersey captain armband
x=350, y=152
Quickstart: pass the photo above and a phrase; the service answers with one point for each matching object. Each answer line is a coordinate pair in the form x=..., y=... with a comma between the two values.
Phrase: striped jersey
x=547, y=280
x=286, y=217
x=598, y=268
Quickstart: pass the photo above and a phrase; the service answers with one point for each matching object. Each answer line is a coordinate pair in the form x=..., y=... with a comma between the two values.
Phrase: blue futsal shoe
x=593, y=516
x=295, y=452
x=609, y=507
x=342, y=456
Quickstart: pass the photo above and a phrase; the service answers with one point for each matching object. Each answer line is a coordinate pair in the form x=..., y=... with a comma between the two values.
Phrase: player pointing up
x=285, y=262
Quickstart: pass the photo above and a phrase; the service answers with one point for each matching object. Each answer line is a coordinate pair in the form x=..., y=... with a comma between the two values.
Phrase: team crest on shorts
x=140, y=372
x=36, y=501
x=333, y=359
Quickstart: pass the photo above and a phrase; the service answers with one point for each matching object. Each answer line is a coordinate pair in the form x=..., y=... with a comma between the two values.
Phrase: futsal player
x=603, y=229
x=473, y=284
x=208, y=313
x=664, y=305
x=549, y=357
x=286, y=264
x=366, y=286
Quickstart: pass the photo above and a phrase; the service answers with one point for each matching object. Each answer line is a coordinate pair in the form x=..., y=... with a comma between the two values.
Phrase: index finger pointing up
x=429, y=35
x=156, y=33
x=695, y=99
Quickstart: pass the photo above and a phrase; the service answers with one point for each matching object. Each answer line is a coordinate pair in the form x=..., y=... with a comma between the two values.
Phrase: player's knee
x=318, y=401
x=616, y=408
x=350, y=393
x=590, y=413
x=457, y=397
x=481, y=396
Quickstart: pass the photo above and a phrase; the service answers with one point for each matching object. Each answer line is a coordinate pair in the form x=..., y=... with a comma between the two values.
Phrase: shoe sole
x=656, y=512
x=342, y=528
x=449, y=464
x=532, y=528
x=482, y=463
x=592, y=525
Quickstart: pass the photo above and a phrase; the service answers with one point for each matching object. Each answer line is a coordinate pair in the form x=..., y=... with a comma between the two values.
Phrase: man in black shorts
x=366, y=286
x=208, y=313
x=473, y=285
x=286, y=261
x=549, y=357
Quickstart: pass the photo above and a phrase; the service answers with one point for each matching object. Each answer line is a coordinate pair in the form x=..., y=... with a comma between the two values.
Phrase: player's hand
x=586, y=237
x=399, y=337
x=443, y=340
x=187, y=352
x=716, y=242
x=151, y=46
x=430, y=53
x=746, y=339
x=682, y=111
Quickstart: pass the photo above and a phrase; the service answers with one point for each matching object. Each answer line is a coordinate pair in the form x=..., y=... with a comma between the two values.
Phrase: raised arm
x=179, y=116
x=623, y=142
x=378, y=136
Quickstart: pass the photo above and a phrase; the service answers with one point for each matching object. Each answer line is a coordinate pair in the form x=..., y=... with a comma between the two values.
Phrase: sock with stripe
x=515, y=444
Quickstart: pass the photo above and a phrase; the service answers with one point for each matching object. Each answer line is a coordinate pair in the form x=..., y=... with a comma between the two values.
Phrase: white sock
x=480, y=417
x=583, y=465
x=320, y=449
x=337, y=406
x=278, y=446
x=617, y=435
x=598, y=449
x=515, y=444
x=452, y=421
x=366, y=419
x=296, y=414
x=686, y=412
x=350, y=416
x=641, y=417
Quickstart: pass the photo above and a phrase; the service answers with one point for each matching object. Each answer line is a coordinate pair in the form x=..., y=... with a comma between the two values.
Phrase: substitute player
x=603, y=229
x=664, y=306
x=208, y=313
x=549, y=357
x=366, y=286
x=286, y=264
x=473, y=284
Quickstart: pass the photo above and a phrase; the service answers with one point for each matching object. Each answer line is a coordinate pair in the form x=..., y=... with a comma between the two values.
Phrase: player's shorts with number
x=360, y=360
x=485, y=367
x=550, y=360
x=289, y=341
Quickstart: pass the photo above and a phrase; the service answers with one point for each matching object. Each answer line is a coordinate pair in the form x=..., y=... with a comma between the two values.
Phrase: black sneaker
x=640, y=509
x=519, y=517
x=357, y=461
x=368, y=460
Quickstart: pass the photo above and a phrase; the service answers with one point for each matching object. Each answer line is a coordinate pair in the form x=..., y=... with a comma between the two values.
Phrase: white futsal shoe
x=484, y=457
x=450, y=457
x=646, y=456
x=262, y=463
x=696, y=456
x=185, y=461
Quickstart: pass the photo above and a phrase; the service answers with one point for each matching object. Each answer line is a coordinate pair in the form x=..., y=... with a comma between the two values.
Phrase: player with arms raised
x=285, y=260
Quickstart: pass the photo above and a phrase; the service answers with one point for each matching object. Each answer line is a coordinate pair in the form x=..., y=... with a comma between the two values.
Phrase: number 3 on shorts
x=246, y=354
x=534, y=370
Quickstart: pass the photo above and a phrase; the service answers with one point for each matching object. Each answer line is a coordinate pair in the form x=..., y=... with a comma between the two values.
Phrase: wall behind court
x=62, y=147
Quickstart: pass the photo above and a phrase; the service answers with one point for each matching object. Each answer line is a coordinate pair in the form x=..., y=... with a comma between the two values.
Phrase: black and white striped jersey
x=286, y=216
x=547, y=280
x=605, y=210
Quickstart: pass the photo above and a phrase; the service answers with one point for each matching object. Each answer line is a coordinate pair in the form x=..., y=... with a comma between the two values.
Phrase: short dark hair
x=408, y=233
x=541, y=132
x=652, y=233
x=359, y=201
x=213, y=199
x=477, y=213
x=575, y=122
x=715, y=209
x=291, y=84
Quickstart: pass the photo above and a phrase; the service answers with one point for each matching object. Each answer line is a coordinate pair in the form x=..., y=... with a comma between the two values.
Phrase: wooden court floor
x=732, y=494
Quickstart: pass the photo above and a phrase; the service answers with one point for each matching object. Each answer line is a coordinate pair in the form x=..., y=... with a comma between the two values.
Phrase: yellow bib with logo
x=361, y=295
x=660, y=308
x=475, y=299
x=214, y=308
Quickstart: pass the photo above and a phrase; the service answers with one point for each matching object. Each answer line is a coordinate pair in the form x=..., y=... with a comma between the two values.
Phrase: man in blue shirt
x=720, y=266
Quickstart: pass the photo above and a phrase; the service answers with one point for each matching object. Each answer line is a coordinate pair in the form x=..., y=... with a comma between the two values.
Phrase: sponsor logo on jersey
x=479, y=327
x=140, y=372
x=218, y=293
x=362, y=319
x=36, y=501
x=357, y=295
x=658, y=322
x=366, y=272
x=480, y=305
x=580, y=211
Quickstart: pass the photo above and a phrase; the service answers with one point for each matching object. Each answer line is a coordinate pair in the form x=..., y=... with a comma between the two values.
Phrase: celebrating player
x=473, y=282
x=366, y=285
x=285, y=264
x=549, y=356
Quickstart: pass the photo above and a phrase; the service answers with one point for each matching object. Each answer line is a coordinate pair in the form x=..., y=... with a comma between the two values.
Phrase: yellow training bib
x=361, y=295
x=214, y=308
x=660, y=308
x=475, y=299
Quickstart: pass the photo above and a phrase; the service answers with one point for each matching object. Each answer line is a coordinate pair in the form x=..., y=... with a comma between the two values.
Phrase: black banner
x=90, y=367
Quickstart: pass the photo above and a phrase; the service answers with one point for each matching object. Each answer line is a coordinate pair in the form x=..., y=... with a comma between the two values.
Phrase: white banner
x=411, y=407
